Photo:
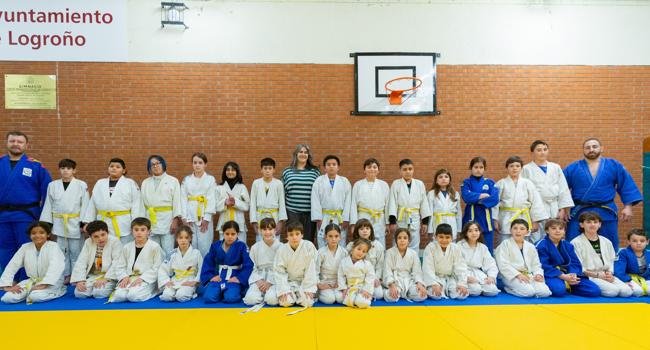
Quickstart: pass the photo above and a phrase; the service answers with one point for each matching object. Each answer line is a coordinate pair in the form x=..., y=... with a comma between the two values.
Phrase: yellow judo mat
x=577, y=326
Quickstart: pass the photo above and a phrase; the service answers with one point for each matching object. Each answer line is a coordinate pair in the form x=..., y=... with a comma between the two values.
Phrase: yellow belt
x=518, y=212
x=153, y=210
x=203, y=202
x=440, y=215
x=374, y=214
x=113, y=216
x=355, y=287
x=261, y=212
x=29, y=285
x=640, y=281
x=65, y=218
x=336, y=213
x=179, y=274
x=406, y=210
x=231, y=213
x=488, y=217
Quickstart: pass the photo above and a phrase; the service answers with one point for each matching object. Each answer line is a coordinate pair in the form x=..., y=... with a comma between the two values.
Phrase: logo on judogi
x=27, y=172
x=486, y=187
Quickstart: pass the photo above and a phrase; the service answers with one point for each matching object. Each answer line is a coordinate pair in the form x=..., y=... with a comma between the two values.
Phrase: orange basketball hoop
x=395, y=96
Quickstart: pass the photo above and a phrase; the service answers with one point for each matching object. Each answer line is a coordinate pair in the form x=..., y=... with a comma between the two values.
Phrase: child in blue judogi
x=633, y=263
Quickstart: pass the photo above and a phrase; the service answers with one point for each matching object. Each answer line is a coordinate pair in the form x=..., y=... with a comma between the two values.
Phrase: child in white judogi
x=596, y=254
x=294, y=270
x=356, y=276
x=444, y=270
x=67, y=199
x=98, y=254
x=262, y=254
x=375, y=255
x=232, y=199
x=327, y=265
x=370, y=200
x=116, y=201
x=137, y=268
x=330, y=200
x=408, y=206
x=198, y=203
x=44, y=264
x=179, y=276
x=482, y=270
x=444, y=203
x=518, y=198
x=161, y=196
x=519, y=265
x=402, y=271
x=267, y=199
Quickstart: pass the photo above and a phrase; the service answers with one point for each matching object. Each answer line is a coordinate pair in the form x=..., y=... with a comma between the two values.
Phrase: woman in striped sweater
x=298, y=180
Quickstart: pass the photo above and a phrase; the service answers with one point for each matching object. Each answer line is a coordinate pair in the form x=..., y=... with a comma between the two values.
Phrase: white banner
x=63, y=30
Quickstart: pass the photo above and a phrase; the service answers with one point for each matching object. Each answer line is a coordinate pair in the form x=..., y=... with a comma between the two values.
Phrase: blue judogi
x=234, y=263
x=627, y=265
x=479, y=210
x=598, y=194
x=22, y=195
x=563, y=259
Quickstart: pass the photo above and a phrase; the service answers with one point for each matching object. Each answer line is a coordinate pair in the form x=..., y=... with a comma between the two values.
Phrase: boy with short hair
x=98, y=255
x=67, y=199
x=408, y=206
x=262, y=254
x=330, y=201
x=633, y=263
x=443, y=268
x=267, y=199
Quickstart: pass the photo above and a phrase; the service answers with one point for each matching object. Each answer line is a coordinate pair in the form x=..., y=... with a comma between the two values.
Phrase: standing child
x=44, y=264
x=137, y=268
x=198, y=201
x=408, y=206
x=226, y=268
x=327, y=265
x=482, y=269
x=262, y=255
x=633, y=263
x=330, y=200
x=116, y=201
x=444, y=202
x=294, y=270
x=519, y=265
x=267, y=199
x=597, y=256
x=444, y=270
x=66, y=200
x=99, y=253
x=518, y=198
x=370, y=200
x=356, y=276
x=402, y=271
x=235, y=203
x=375, y=255
x=179, y=276
x=480, y=195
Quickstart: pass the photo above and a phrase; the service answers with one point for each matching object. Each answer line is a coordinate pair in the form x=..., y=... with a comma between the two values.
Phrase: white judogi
x=262, y=256
x=370, y=201
x=86, y=262
x=198, y=202
x=512, y=261
x=480, y=265
x=327, y=267
x=375, y=257
x=145, y=267
x=42, y=267
x=551, y=186
x=63, y=209
x=355, y=277
x=590, y=260
x=180, y=268
x=518, y=200
x=161, y=196
x=330, y=205
x=444, y=268
x=409, y=207
x=116, y=210
x=405, y=271
x=267, y=201
x=294, y=272
x=445, y=210
x=236, y=212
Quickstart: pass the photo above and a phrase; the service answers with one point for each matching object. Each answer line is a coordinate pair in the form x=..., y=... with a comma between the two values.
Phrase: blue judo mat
x=69, y=302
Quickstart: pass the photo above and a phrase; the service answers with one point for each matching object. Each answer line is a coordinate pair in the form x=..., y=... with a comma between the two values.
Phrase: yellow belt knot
x=408, y=211
x=440, y=215
x=65, y=218
x=332, y=213
x=203, y=203
x=519, y=212
x=640, y=281
x=153, y=210
x=113, y=216
x=263, y=212
x=374, y=214
x=180, y=274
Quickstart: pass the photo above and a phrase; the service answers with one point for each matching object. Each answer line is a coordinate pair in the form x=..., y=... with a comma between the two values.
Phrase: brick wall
x=245, y=112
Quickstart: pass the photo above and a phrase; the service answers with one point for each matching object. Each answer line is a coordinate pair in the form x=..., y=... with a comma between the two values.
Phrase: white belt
x=230, y=268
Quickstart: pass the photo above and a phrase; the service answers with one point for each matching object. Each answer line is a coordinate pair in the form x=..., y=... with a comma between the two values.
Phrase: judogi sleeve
x=347, y=201
x=545, y=259
x=354, y=215
x=505, y=267
x=280, y=273
x=316, y=209
x=246, y=267
x=17, y=261
x=460, y=268
x=242, y=202
x=46, y=213
x=209, y=265
x=416, y=269
x=620, y=267
x=428, y=268
x=164, y=272
x=56, y=264
x=151, y=274
x=252, y=214
x=369, y=282
x=626, y=188
x=341, y=280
